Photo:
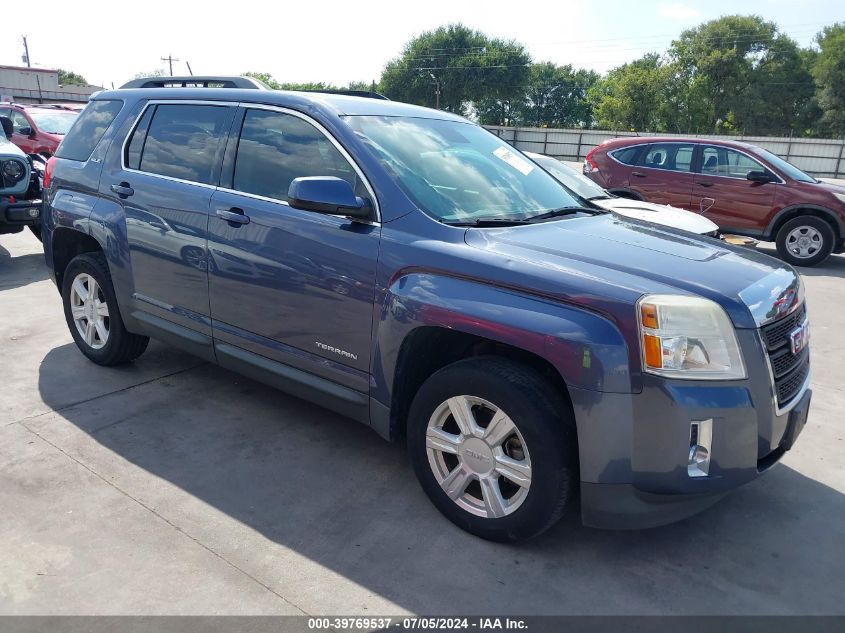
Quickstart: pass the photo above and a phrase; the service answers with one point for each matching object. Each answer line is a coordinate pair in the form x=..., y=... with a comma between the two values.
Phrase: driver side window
x=19, y=121
x=728, y=163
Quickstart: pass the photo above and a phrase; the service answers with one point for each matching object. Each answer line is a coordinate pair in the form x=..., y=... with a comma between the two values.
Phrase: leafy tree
x=631, y=95
x=464, y=65
x=828, y=69
x=556, y=96
x=68, y=78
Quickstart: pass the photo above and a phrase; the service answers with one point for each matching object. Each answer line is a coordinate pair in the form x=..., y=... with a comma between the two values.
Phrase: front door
x=291, y=285
x=723, y=193
x=164, y=179
x=663, y=174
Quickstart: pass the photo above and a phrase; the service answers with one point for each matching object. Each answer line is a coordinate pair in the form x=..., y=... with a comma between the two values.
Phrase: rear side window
x=179, y=141
x=670, y=156
x=626, y=155
x=88, y=129
x=275, y=148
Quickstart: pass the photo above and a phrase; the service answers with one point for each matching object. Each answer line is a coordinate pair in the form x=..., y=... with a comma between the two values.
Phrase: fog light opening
x=700, y=446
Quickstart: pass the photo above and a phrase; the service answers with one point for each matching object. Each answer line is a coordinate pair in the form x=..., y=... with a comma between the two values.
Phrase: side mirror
x=8, y=126
x=26, y=131
x=760, y=176
x=327, y=194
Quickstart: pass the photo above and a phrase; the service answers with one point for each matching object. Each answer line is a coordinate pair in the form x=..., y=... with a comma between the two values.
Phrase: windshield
x=53, y=122
x=459, y=172
x=788, y=169
x=571, y=178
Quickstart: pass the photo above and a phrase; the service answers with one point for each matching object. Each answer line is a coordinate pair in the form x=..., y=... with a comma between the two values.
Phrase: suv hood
x=659, y=214
x=602, y=256
x=7, y=148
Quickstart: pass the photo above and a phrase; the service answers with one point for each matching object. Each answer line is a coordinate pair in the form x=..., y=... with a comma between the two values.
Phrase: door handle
x=638, y=174
x=705, y=184
x=233, y=215
x=123, y=190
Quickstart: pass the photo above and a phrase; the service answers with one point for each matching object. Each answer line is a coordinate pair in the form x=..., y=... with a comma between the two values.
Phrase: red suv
x=744, y=189
x=38, y=129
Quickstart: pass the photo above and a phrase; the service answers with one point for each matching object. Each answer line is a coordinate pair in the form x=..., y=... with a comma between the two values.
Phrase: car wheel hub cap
x=478, y=456
x=89, y=311
x=804, y=241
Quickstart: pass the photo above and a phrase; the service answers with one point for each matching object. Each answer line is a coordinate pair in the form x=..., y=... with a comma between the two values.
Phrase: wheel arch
x=796, y=210
x=67, y=243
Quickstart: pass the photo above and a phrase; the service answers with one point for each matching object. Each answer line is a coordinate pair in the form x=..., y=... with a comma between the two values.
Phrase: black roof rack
x=371, y=94
x=196, y=82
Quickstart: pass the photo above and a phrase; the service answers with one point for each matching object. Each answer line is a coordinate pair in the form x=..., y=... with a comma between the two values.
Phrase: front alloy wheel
x=478, y=456
x=89, y=310
x=805, y=241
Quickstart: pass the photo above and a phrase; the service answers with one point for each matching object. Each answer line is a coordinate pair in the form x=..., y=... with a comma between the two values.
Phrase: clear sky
x=339, y=40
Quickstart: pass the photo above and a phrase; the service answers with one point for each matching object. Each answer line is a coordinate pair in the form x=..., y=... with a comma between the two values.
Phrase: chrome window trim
x=780, y=181
x=154, y=102
x=255, y=106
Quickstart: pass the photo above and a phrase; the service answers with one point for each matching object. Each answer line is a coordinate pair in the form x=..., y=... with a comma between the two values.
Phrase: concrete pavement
x=173, y=486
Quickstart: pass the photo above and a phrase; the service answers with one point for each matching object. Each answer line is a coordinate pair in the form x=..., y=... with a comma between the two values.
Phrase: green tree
x=828, y=70
x=68, y=78
x=465, y=66
x=556, y=96
x=737, y=74
x=631, y=95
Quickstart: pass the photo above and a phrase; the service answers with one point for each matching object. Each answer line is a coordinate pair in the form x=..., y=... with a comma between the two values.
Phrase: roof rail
x=370, y=94
x=196, y=82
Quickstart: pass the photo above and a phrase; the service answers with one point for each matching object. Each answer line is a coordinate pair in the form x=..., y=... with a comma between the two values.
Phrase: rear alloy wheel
x=93, y=315
x=805, y=241
x=493, y=444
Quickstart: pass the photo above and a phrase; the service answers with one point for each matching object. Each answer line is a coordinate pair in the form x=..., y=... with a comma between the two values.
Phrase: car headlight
x=13, y=169
x=840, y=196
x=688, y=337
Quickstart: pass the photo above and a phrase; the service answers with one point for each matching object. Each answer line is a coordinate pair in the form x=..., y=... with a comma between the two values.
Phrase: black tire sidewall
x=88, y=264
x=817, y=223
x=548, y=435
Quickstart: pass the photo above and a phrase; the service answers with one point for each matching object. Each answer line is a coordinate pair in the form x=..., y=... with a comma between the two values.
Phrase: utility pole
x=436, y=90
x=170, y=59
x=26, y=53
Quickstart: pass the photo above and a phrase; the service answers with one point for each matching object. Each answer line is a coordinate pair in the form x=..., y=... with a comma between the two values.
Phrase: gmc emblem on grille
x=799, y=337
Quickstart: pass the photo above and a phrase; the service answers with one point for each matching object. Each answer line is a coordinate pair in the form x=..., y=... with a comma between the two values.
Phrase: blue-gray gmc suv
x=408, y=269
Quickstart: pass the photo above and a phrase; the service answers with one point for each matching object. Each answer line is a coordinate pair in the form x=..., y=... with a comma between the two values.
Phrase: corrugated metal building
x=39, y=85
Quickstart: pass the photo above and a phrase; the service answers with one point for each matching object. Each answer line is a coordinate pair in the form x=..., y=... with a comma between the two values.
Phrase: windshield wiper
x=556, y=213
x=490, y=221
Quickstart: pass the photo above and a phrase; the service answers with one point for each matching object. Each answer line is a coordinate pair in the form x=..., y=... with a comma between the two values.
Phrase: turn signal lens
x=651, y=348
x=649, y=315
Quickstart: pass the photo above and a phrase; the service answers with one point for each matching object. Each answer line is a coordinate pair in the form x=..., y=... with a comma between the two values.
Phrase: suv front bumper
x=19, y=213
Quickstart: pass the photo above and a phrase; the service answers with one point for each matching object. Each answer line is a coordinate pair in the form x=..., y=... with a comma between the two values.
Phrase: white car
x=637, y=209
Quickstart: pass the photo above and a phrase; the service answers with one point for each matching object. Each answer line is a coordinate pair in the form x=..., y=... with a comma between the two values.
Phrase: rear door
x=288, y=284
x=663, y=174
x=164, y=177
x=724, y=194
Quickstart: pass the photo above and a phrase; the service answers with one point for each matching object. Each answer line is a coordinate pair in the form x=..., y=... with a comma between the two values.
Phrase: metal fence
x=823, y=158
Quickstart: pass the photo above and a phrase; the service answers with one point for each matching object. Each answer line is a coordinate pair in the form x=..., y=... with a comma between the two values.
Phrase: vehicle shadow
x=833, y=266
x=329, y=489
x=21, y=270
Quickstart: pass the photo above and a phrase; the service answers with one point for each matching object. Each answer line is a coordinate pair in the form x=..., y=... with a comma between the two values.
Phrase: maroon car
x=744, y=189
x=38, y=129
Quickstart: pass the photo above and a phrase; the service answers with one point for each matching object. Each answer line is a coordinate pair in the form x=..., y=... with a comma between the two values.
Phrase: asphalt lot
x=172, y=486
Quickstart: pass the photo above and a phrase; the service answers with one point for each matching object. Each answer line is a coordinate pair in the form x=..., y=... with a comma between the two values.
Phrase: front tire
x=805, y=241
x=494, y=446
x=92, y=313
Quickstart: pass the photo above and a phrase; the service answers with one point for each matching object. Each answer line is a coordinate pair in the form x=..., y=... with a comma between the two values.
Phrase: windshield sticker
x=522, y=166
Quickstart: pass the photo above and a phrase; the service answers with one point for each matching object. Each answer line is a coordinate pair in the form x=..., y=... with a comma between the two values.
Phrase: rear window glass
x=88, y=130
x=626, y=155
x=181, y=141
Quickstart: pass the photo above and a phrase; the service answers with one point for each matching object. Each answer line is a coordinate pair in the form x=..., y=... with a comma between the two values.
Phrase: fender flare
x=795, y=210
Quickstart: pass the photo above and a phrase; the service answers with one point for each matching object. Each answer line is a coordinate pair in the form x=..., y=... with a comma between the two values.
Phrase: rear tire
x=512, y=474
x=94, y=317
x=805, y=241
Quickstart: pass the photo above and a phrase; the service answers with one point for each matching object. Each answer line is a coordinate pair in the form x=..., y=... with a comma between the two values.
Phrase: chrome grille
x=789, y=370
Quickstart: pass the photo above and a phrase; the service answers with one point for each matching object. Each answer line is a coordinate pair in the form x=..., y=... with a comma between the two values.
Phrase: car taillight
x=48, y=171
x=590, y=165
